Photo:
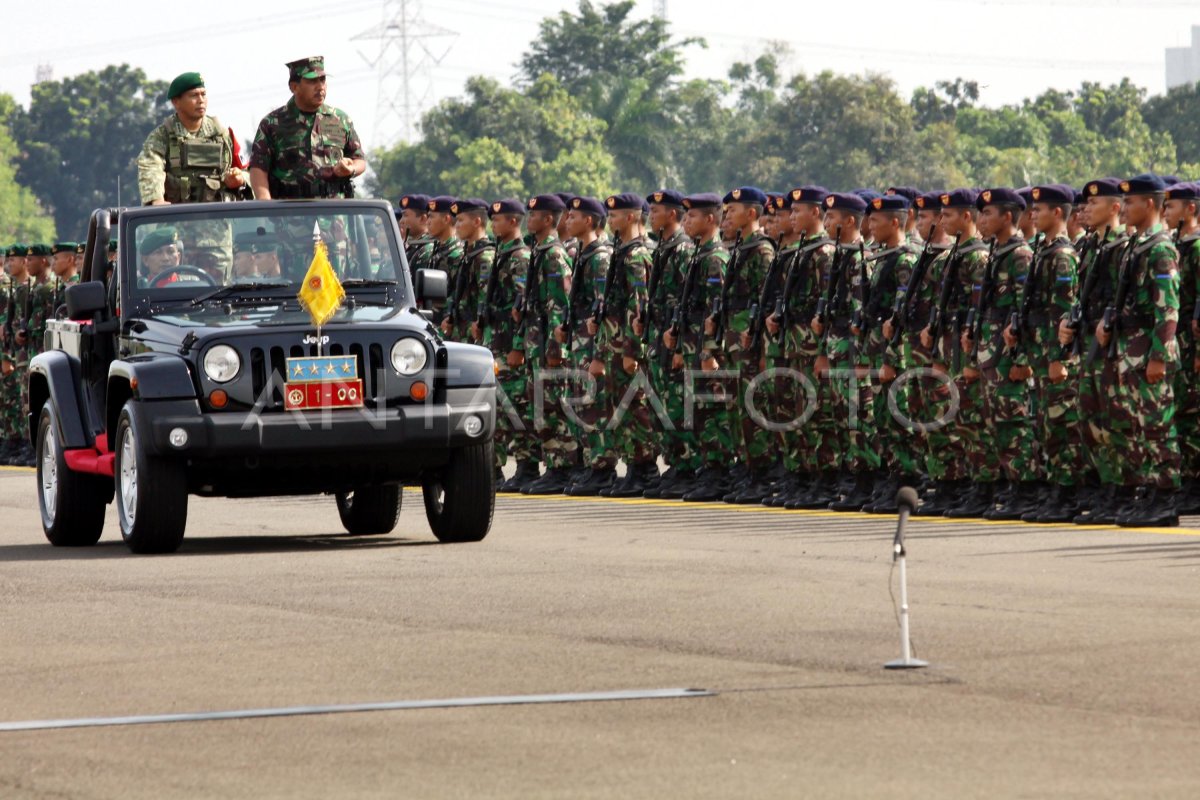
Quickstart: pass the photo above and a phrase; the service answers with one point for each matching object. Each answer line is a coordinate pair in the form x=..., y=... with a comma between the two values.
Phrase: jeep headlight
x=221, y=363
x=409, y=356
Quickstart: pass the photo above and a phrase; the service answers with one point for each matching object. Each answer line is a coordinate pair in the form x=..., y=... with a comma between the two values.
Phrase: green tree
x=83, y=133
x=22, y=218
x=1175, y=113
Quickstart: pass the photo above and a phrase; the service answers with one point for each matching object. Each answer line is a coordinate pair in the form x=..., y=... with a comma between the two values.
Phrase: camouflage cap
x=311, y=67
x=184, y=83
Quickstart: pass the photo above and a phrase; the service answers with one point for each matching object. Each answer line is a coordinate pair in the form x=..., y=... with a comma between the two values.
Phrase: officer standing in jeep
x=306, y=148
x=189, y=157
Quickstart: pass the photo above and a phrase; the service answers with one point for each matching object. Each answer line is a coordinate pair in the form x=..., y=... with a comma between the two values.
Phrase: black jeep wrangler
x=190, y=366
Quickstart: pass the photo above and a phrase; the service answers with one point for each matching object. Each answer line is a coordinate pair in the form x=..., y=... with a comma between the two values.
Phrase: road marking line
x=353, y=708
x=846, y=515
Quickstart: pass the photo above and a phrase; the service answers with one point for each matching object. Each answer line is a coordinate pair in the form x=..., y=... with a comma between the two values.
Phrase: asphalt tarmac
x=1063, y=659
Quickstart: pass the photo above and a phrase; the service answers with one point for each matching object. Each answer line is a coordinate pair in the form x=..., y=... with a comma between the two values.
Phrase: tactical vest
x=195, y=164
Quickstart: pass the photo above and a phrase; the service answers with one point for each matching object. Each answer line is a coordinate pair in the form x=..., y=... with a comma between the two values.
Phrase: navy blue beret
x=810, y=194
x=866, y=194
x=1171, y=180
x=1026, y=193
x=909, y=192
x=1000, y=196
x=958, y=198
x=1183, y=191
x=889, y=202
x=845, y=201
x=442, y=203
x=747, y=194
x=510, y=206
x=417, y=202
x=468, y=204
x=1147, y=183
x=702, y=200
x=588, y=205
x=565, y=197
x=665, y=197
x=929, y=201
x=1102, y=187
x=546, y=202
x=1053, y=193
x=626, y=201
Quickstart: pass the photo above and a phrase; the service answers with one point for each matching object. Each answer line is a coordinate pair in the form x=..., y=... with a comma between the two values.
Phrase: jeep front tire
x=370, y=510
x=152, y=498
x=460, y=497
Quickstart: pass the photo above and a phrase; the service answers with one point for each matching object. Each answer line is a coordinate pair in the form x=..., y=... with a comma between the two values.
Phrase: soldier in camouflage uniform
x=806, y=266
x=9, y=398
x=463, y=309
x=841, y=359
x=542, y=305
x=672, y=254
x=747, y=272
x=1050, y=292
x=1002, y=369
x=306, y=148
x=890, y=268
x=500, y=289
x=1180, y=214
x=189, y=158
x=413, y=217
x=447, y=249
x=620, y=354
x=586, y=217
x=1097, y=277
x=1144, y=318
x=694, y=349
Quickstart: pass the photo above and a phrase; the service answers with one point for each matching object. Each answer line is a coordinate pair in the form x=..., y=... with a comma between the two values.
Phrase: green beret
x=253, y=242
x=80, y=248
x=63, y=247
x=112, y=245
x=16, y=249
x=184, y=83
x=156, y=239
x=39, y=250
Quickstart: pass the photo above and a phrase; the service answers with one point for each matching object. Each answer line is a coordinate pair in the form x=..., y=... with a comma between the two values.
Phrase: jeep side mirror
x=84, y=300
x=432, y=286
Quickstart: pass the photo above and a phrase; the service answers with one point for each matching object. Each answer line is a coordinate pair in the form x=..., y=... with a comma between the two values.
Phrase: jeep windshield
x=253, y=257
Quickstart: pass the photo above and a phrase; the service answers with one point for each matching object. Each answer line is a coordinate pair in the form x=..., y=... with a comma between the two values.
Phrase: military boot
x=1021, y=499
x=712, y=483
x=26, y=458
x=683, y=482
x=1187, y=499
x=738, y=480
x=598, y=478
x=1150, y=509
x=754, y=491
x=945, y=495
x=664, y=482
x=782, y=489
x=638, y=478
x=859, y=494
x=821, y=492
x=6, y=452
x=526, y=473
x=553, y=482
x=883, y=501
x=1063, y=506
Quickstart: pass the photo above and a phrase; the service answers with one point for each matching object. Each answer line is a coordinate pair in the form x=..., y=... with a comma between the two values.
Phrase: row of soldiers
x=31, y=290
x=1015, y=354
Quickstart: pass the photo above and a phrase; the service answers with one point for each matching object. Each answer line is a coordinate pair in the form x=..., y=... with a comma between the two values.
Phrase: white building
x=1183, y=63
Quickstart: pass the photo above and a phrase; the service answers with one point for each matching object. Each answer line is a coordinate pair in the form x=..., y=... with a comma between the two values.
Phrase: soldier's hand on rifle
x=630, y=365
x=236, y=178
x=1058, y=372
x=889, y=329
x=855, y=330
x=516, y=314
x=446, y=327
x=1065, y=334
x=710, y=326
x=744, y=340
x=637, y=327
x=560, y=335
x=887, y=373
x=926, y=338
x=344, y=168
x=20, y=338
x=1196, y=328
x=709, y=363
x=1102, y=336
x=1010, y=337
x=821, y=366
x=669, y=340
x=677, y=361
x=773, y=326
x=475, y=332
x=592, y=326
x=966, y=342
x=816, y=326
x=515, y=358
x=596, y=368
x=1155, y=371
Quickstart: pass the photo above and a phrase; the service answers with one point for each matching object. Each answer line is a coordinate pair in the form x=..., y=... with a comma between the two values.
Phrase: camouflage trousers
x=592, y=405
x=1057, y=424
x=1187, y=417
x=806, y=403
x=679, y=441
x=514, y=432
x=1006, y=405
x=546, y=388
x=853, y=406
x=757, y=443
x=1097, y=382
x=1142, y=418
x=630, y=429
x=714, y=398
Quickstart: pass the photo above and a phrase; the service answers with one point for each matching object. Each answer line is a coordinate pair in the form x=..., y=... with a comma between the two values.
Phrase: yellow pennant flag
x=321, y=292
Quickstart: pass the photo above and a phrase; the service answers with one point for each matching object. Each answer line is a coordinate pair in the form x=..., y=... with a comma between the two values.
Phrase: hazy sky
x=1014, y=48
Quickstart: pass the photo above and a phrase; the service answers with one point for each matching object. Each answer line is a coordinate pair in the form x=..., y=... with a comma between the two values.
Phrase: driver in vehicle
x=159, y=252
